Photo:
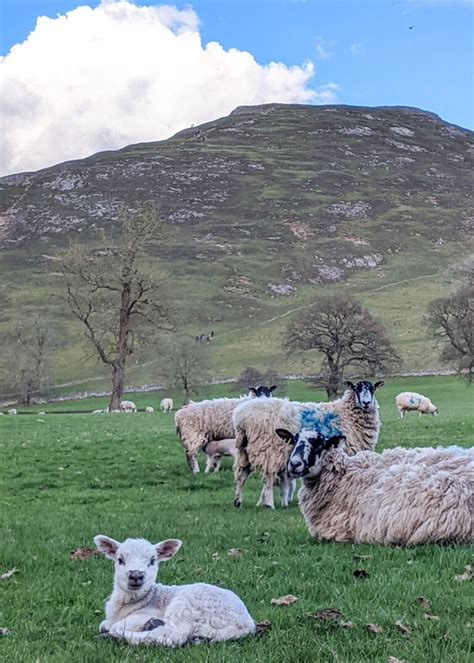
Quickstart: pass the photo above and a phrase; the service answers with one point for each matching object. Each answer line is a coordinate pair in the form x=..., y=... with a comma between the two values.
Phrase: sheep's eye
x=152, y=561
x=121, y=560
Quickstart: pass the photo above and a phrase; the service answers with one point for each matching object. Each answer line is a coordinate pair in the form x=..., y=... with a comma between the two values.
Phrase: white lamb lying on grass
x=139, y=610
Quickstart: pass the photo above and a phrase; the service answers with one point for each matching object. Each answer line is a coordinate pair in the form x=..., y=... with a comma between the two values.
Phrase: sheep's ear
x=272, y=388
x=167, y=549
x=349, y=384
x=285, y=435
x=252, y=391
x=379, y=384
x=334, y=441
x=106, y=545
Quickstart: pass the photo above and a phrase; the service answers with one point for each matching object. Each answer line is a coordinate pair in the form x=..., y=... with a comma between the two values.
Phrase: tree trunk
x=332, y=386
x=118, y=383
x=118, y=366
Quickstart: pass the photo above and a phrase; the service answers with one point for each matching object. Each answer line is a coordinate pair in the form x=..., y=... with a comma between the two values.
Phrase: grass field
x=66, y=478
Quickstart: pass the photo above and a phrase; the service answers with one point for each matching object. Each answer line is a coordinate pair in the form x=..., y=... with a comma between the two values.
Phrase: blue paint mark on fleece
x=324, y=423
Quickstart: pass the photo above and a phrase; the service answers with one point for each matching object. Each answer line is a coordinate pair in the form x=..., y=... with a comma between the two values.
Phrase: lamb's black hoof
x=237, y=503
x=152, y=623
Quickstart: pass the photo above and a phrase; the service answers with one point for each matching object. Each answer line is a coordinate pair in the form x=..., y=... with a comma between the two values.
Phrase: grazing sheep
x=166, y=405
x=12, y=412
x=97, y=412
x=410, y=400
x=139, y=610
x=128, y=406
x=149, y=409
x=209, y=420
x=41, y=414
x=259, y=448
x=400, y=497
x=215, y=449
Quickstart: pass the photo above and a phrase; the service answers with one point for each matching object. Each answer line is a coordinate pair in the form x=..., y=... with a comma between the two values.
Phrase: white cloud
x=357, y=48
x=323, y=48
x=102, y=78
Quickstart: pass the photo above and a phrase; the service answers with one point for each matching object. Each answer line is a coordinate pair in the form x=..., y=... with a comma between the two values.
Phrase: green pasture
x=66, y=477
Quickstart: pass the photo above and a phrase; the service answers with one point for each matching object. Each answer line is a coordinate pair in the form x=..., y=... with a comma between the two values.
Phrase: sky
x=78, y=77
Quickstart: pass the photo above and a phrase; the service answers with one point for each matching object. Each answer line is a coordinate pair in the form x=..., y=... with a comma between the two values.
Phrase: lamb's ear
x=106, y=545
x=334, y=441
x=379, y=384
x=272, y=388
x=285, y=435
x=349, y=384
x=252, y=391
x=167, y=549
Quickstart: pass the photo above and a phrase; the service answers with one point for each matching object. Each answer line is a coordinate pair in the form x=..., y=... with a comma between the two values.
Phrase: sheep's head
x=309, y=450
x=364, y=393
x=136, y=560
x=262, y=391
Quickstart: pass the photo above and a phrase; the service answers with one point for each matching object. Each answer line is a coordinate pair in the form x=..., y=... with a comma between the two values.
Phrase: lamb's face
x=309, y=451
x=262, y=391
x=364, y=393
x=136, y=560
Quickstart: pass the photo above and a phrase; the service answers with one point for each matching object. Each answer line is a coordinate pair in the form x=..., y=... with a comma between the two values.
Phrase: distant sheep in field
x=139, y=610
x=166, y=405
x=41, y=414
x=209, y=420
x=356, y=414
x=410, y=400
x=149, y=409
x=95, y=412
x=399, y=497
x=215, y=449
x=12, y=412
x=128, y=406
x=2, y=414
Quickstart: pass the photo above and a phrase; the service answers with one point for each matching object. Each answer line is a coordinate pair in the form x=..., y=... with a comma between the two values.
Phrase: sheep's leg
x=216, y=464
x=241, y=476
x=284, y=489
x=401, y=412
x=169, y=635
x=192, y=462
x=291, y=489
x=208, y=464
x=266, y=496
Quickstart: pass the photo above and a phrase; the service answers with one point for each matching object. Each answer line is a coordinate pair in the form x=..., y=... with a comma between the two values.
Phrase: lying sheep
x=410, y=400
x=12, y=412
x=141, y=611
x=400, y=497
x=166, y=405
x=149, y=409
x=215, y=449
x=259, y=448
x=128, y=406
x=96, y=411
x=209, y=420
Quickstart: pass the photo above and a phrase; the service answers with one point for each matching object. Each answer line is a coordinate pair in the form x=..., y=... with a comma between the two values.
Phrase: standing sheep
x=128, y=406
x=410, y=400
x=209, y=420
x=12, y=412
x=149, y=409
x=215, y=449
x=259, y=448
x=139, y=610
x=399, y=497
x=166, y=405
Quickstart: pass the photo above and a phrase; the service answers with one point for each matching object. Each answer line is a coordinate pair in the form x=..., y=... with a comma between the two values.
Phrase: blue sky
x=365, y=51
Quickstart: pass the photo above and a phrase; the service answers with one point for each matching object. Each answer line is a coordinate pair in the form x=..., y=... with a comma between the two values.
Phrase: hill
x=264, y=209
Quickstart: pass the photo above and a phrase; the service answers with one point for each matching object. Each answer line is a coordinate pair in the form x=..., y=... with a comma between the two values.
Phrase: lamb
x=167, y=405
x=12, y=412
x=410, y=400
x=215, y=449
x=259, y=448
x=128, y=406
x=149, y=409
x=399, y=497
x=208, y=420
x=95, y=412
x=139, y=610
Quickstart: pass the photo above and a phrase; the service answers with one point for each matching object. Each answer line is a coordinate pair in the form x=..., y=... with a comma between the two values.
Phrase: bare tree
x=184, y=364
x=346, y=335
x=452, y=321
x=115, y=296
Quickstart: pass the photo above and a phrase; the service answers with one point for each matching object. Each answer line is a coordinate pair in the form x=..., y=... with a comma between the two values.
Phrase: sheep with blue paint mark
x=410, y=400
x=355, y=415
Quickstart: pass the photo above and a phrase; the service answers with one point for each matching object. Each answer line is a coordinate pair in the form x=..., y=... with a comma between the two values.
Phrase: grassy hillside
x=66, y=478
x=263, y=209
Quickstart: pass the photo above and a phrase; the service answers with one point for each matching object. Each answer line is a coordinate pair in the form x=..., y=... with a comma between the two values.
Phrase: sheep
x=399, y=497
x=410, y=400
x=259, y=448
x=12, y=412
x=97, y=411
x=208, y=420
x=167, y=405
x=149, y=409
x=41, y=414
x=128, y=406
x=215, y=449
x=139, y=610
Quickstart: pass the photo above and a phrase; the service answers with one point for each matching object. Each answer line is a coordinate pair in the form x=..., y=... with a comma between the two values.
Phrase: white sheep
x=400, y=497
x=128, y=406
x=141, y=611
x=41, y=414
x=2, y=414
x=149, y=409
x=12, y=412
x=209, y=420
x=259, y=448
x=96, y=411
x=410, y=400
x=166, y=405
x=215, y=449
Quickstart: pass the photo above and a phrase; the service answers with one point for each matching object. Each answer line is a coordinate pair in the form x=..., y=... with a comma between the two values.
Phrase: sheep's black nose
x=137, y=576
x=295, y=464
